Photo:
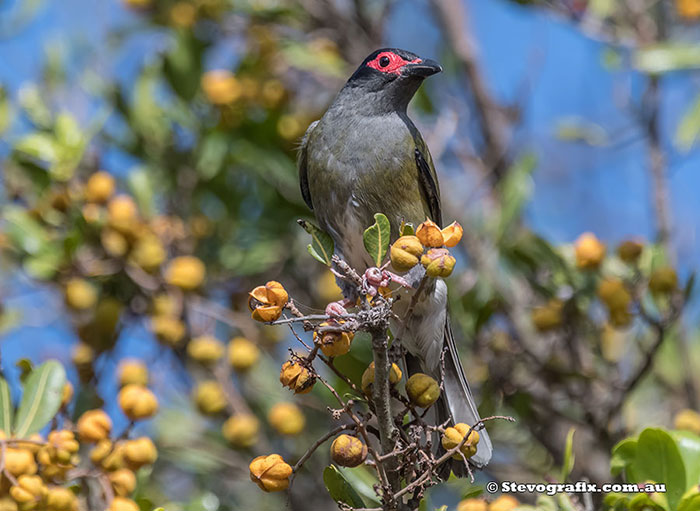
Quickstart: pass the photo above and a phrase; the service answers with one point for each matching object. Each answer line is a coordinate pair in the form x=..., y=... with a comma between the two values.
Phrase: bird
x=365, y=156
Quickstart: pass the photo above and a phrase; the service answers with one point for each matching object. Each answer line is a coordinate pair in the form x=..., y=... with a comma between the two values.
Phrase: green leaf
x=689, y=446
x=658, y=460
x=569, y=457
x=689, y=127
x=362, y=481
x=340, y=489
x=24, y=231
x=212, y=153
x=183, y=64
x=665, y=57
x=41, y=146
x=623, y=455
x=579, y=130
x=376, y=238
x=690, y=501
x=141, y=185
x=406, y=229
x=321, y=247
x=515, y=191
x=41, y=398
x=5, y=407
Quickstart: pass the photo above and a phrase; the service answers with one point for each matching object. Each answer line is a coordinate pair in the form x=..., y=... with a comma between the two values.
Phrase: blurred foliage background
x=148, y=183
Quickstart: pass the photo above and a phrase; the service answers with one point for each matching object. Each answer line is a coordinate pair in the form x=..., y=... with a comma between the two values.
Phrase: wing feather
x=302, y=166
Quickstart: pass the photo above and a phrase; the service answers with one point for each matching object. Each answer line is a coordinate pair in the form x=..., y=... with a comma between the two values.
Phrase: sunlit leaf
x=41, y=398
x=321, y=247
x=6, y=411
x=665, y=57
x=376, y=238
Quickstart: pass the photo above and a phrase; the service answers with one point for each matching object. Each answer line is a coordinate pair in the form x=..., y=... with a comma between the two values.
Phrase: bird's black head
x=392, y=74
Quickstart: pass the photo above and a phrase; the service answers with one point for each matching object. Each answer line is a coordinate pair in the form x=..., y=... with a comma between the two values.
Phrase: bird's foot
x=375, y=278
x=339, y=308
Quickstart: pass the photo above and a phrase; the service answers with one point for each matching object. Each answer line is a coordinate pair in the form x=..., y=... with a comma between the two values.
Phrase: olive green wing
x=427, y=180
x=302, y=166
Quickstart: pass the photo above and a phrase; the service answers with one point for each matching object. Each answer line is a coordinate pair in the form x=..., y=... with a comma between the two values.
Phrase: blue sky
x=577, y=188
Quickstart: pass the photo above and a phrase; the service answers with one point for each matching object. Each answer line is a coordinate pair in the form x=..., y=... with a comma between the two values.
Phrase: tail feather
x=456, y=404
x=459, y=400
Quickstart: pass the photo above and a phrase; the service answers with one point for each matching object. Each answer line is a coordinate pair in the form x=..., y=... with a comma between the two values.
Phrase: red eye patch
x=388, y=62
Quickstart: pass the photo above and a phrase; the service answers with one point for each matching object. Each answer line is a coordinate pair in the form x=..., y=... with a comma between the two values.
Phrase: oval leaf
x=5, y=407
x=376, y=238
x=658, y=460
x=321, y=247
x=41, y=398
x=340, y=489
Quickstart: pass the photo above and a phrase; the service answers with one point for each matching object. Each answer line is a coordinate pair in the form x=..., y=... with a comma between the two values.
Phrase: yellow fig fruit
x=548, y=317
x=296, y=377
x=663, y=281
x=327, y=288
x=241, y=430
x=220, y=87
x=139, y=452
x=452, y=437
x=122, y=213
x=169, y=330
x=67, y=394
x=123, y=482
x=61, y=499
x=395, y=376
x=438, y=262
x=614, y=294
x=123, y=503
x=28, y=491
x=19, y=461
x=422, y=390
x=99, y=187
x=452, y=234
x=209, y=397
x=148, y=253
x=333, y=344
x=242, y=354
x=688, y=9
x=589, y=251
x=80, y=294
x=183, y=14
x=205, y=349
x=472, y=505
x=629, y=251
x=185, y=272
x=348, y=451
x=504, y=503
x=405, y=253
x=94, y=425
x=286, y=419
x=132, y=371
x=137, y=402
x=430, y=235
x=270, y=473
x=687, y=420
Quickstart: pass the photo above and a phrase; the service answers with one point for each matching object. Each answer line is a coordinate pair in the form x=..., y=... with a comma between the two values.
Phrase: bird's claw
x=338, y=308
x=375, y=278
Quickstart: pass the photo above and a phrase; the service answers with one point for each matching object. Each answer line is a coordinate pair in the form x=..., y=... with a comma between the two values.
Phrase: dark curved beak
x=423, y=69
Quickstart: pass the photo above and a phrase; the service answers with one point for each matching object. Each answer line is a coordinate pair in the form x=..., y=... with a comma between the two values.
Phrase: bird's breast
x=359, y=167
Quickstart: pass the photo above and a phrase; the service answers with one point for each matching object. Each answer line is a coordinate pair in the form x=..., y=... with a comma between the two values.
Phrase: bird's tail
x=456, y=403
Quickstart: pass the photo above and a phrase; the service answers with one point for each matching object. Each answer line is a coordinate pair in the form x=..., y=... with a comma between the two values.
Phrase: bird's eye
x=384, y=61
